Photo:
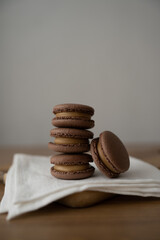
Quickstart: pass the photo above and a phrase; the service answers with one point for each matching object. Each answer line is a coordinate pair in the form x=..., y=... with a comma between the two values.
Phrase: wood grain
x=121, y=217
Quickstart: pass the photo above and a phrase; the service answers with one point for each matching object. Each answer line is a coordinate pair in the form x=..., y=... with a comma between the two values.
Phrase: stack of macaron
x=71, y=139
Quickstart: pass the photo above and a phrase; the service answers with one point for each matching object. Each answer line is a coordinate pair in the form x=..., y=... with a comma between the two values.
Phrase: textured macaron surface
x=72, y=122
x=71, y=133
x=114, y=151
x=71, y=159
x=70, y=107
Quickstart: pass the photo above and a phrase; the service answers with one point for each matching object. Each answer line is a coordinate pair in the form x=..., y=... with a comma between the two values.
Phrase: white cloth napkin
x=30, y=186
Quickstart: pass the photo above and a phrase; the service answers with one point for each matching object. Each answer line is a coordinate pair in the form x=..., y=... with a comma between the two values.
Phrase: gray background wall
x=102, y=53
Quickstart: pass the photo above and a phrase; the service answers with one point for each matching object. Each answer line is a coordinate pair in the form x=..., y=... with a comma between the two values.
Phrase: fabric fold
x=30, y=186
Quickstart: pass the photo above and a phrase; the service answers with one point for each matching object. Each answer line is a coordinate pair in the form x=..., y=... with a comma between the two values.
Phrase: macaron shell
x=70, y=107
x=69, y=148
x=73, y=175
x=71, y=133
x=71, y=159
x=101, y=166
x=71, y=122
x=114, y=150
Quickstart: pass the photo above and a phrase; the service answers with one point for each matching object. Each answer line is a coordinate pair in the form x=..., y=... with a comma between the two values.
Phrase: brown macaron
x=72, y=166
x=73, y=116
x=110, y=154
x=70, y=140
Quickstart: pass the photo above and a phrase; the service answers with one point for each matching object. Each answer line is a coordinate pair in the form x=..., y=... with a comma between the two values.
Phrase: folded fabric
x=30, y=186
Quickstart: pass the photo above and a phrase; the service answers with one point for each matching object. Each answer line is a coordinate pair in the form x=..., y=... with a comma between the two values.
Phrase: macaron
x=70, y=140
x=72, y=166
x=73, y=116
x=110, y=154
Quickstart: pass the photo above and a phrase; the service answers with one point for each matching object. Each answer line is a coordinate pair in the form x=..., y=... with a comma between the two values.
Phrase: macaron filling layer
x=104, y=159
x=73, y=114
x=73, y=168
x=60, y=140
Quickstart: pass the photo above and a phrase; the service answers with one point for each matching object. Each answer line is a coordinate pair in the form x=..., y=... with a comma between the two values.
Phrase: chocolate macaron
x=110, y=154
x=72, y=166
x=70, y=140
x=73, y=116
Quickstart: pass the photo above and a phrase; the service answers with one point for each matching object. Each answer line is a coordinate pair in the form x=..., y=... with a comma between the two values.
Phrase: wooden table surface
x=122, y=217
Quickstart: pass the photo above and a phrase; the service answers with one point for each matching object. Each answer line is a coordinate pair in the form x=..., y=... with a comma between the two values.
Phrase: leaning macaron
x=73, y=116
x=110, y=154
x=70, y=140
x=72, y=166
